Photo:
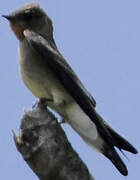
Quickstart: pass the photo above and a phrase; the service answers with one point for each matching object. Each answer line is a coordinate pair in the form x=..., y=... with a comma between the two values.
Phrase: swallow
x=47, y=75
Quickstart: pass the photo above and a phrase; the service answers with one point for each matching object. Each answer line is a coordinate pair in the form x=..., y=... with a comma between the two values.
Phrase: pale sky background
x=101, y=41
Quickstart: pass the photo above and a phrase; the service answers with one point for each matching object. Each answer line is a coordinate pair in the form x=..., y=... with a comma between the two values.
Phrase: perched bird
x=47, y=74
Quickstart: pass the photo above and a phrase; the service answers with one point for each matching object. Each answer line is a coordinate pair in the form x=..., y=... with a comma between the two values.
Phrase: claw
x=62, y=121
x=35, y=104
x=42, y=102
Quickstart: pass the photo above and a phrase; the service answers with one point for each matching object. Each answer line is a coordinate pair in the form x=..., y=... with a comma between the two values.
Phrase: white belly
x=81, y=122
x=83, y=125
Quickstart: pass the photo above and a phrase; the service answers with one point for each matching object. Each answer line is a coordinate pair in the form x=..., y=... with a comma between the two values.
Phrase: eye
x=28, y=16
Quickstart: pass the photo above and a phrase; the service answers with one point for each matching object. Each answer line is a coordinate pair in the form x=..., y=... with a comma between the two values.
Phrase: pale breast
x=39, y=78
x=31, y=72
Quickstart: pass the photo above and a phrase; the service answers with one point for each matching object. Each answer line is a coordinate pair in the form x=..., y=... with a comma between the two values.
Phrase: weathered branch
x=44, y=146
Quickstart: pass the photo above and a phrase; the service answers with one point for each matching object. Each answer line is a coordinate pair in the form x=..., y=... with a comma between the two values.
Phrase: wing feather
x=69, y=80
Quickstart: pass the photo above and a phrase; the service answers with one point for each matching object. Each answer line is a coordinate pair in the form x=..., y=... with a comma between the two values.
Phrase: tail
x=119, y=142
x=113, y=156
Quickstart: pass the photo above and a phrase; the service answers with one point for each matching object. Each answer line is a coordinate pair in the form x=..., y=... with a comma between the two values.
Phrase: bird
x=48, y=76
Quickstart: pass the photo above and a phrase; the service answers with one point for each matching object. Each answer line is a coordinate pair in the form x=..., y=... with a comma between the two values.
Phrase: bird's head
x=30, y=17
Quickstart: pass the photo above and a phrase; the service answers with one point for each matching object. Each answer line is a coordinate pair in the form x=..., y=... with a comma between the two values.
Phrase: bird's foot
x=62, y=121
x=42, y=102
x=35, y=103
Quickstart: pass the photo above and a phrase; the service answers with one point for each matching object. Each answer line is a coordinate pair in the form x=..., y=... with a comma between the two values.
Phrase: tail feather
x=120, y=142
x=113, y=156
x=117, y=141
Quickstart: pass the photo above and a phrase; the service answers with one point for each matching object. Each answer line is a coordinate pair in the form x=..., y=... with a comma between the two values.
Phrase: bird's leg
x=45, y=100
x=62, y=121
x=42, y=101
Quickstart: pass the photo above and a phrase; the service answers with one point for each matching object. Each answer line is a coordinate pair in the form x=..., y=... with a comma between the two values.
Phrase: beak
x=9, y=18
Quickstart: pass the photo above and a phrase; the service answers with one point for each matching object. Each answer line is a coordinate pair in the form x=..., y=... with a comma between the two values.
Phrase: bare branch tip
x=17, y=139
